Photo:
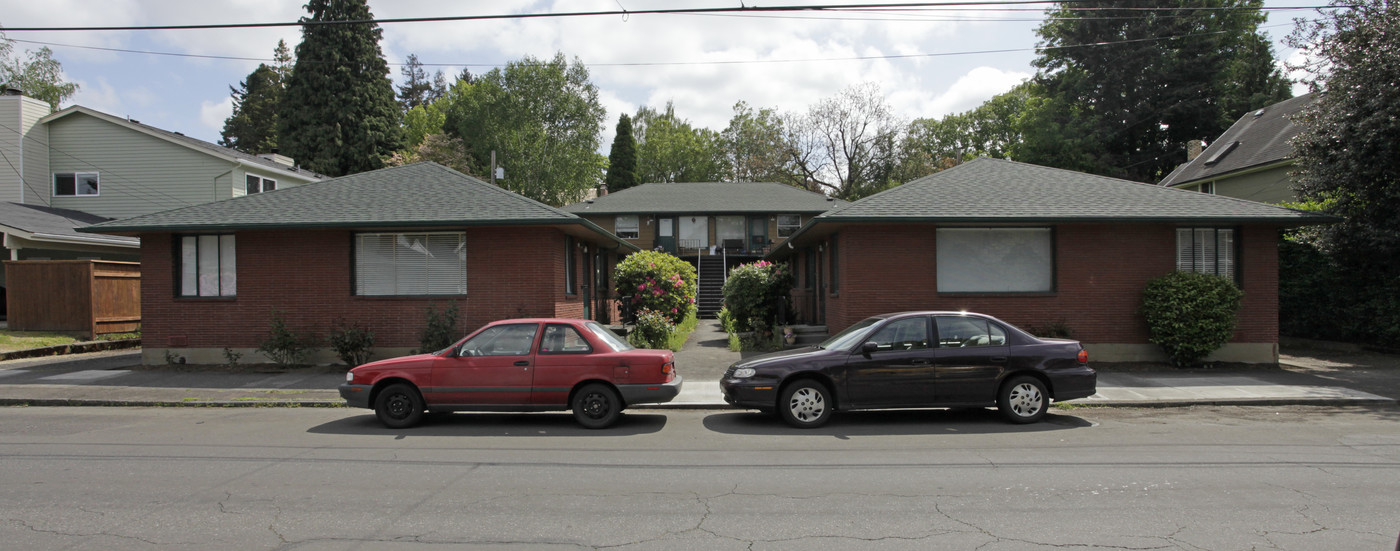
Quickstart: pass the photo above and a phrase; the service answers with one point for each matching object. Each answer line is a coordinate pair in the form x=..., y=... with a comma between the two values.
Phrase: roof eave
x=1242, y=171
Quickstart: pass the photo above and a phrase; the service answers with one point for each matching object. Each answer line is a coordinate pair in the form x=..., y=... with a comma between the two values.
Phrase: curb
x=75, y=348
x=1333, y=402
x=73, y=402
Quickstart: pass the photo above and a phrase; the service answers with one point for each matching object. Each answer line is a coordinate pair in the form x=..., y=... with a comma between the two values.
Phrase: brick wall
x=511, y=272
x=1100, y=270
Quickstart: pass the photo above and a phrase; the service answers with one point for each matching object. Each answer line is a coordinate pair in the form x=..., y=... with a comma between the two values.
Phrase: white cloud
x=213, y=113
x=970, y=90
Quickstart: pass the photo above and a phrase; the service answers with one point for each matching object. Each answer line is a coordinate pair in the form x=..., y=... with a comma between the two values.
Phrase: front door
x=758, y=234
x=494, y=367
x=666, y=234
x=899, y=372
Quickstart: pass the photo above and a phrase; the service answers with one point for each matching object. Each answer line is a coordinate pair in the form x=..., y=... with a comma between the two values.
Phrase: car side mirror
x=869, y=347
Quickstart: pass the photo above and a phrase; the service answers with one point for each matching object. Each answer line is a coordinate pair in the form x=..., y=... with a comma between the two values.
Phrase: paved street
x=1295, y=477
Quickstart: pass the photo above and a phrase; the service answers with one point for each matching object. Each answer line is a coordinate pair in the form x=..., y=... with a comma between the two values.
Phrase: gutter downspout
x=216, y=183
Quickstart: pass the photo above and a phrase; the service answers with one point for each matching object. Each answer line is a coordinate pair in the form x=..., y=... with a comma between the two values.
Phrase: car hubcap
x=1026, y=400
x=807, y=405
x=399, y=406
x=595, y=405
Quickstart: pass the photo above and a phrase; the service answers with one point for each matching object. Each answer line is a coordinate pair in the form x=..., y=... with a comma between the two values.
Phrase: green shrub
x=231, y=357
x=284, y=346
x=441, y=330
x=1190, y=315
x=352, y=342
x=753, y=293
x=653, y=330
x=658, y=282
x=726, y=321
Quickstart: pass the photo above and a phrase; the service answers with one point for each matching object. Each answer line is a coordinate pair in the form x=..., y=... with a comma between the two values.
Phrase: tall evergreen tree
x=622, y=160
x=416, y=88
x=1124, y=90
x=339, y=115
x=252, y=128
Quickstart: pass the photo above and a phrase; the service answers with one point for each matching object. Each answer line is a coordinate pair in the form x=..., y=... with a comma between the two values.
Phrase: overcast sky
x=704, y=63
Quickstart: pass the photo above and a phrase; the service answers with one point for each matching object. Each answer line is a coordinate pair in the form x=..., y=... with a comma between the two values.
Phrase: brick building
x=376, y=249
x=1040, y=247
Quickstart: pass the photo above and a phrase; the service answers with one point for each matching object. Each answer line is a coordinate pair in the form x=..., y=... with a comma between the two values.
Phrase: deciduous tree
x=37, y=73
x=669, y=149
x=544, y=121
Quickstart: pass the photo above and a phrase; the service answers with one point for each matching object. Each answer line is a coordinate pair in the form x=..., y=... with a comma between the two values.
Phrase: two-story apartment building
x=714, y=225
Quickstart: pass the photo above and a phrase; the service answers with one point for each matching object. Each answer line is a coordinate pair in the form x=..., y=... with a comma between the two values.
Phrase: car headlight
x=349, y=377
x=744, y=373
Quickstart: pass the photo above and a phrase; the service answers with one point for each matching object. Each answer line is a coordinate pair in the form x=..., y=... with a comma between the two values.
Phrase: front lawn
x=11, y=341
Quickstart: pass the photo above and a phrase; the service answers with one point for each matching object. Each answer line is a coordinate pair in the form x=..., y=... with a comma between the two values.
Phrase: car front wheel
x=1023, y=400
x=399, y=406
x=597, y=406
x=805, y=404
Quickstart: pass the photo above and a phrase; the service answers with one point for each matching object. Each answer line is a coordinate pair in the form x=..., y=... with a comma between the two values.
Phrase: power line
x=832, y=8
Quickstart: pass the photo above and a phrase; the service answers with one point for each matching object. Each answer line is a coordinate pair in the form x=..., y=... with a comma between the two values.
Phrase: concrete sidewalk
x=116, y=379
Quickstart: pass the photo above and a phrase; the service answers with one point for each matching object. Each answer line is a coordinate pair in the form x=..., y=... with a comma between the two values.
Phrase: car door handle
x=920, y=362
x=523, y=362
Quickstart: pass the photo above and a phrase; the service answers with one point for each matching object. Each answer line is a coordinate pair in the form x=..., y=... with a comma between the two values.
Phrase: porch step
x=711, y=296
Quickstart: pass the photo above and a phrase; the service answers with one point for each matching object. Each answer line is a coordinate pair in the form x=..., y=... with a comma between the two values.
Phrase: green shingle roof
x=998, y=191
x=707, y=197
x=416, y=195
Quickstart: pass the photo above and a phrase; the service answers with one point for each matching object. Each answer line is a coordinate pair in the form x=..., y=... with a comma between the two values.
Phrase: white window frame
x=627, y=226
x=1208, y=250
x=77, y=187
x=262, y=185
x=786, y=227
x=208, y=266
x=410, y=264
x=995, y=260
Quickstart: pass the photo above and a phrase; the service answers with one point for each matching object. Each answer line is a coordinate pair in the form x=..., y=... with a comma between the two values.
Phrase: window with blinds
x=1206, y=250
x=411, y=264
x=208, y=266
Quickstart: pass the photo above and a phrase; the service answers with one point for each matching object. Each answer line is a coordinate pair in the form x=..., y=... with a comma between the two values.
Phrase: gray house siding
x=137, y=173
x=25, y=143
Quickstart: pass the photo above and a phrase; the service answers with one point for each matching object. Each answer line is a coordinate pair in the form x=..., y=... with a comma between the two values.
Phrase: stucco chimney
x=1194, y=149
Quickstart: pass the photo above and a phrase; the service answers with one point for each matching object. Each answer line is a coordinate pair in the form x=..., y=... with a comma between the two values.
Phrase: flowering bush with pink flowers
x=656, y=281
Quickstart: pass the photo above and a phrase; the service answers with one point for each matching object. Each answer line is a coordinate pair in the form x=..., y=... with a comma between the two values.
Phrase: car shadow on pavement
x=892, y=423
x=494, y=425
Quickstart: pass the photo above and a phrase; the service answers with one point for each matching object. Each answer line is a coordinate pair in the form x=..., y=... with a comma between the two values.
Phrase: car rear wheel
x=399, y=406
x=1023, y=400
x=597, y=406
x=805, y=404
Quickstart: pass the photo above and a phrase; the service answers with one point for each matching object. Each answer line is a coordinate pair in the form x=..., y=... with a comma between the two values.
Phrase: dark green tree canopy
x=416, y=89
x=1348, y=151
x=622, y=160
x=543, y=120
x=339, y=115
x=252, y=128
x=1123, y=91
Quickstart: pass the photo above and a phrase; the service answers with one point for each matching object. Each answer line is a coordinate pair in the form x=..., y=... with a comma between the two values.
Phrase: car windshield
x=607, y=336
x=850, y=336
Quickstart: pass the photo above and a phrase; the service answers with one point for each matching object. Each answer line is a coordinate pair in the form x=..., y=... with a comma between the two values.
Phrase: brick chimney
x=603, y=189
x=1194, y=149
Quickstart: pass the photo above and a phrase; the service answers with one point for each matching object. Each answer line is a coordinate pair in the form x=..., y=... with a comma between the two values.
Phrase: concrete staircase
x=808, y=335
x=711, y=297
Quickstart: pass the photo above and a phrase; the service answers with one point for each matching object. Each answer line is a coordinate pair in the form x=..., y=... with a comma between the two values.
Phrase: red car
x=518, y=365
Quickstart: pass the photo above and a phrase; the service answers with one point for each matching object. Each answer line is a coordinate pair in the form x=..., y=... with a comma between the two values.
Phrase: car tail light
x=1083, y=356
x=669, y=370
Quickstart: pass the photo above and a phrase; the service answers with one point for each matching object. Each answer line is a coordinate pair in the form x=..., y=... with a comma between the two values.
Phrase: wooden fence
x=84, y=298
